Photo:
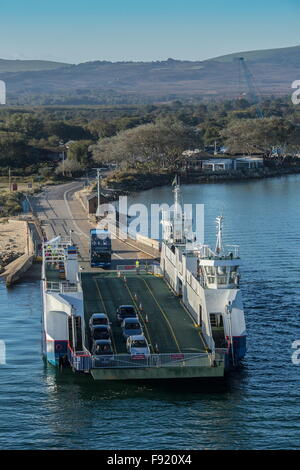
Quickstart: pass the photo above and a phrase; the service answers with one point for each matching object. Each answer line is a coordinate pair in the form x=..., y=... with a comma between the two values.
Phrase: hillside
x=7, y=65
x=103, y=82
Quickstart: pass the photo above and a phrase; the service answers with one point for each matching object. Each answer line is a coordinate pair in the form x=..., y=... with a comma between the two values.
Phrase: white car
x=137, y=345
x=98, y=319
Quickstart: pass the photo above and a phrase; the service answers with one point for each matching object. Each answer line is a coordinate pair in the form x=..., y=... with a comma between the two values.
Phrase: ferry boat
x=189, y=308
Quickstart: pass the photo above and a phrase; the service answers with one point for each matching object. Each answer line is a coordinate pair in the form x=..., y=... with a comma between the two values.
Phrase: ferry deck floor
x=167, y=325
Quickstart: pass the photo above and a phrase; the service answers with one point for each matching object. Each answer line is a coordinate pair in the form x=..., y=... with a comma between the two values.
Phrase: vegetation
x=150, y=146
x=148, y=138
x=10, y=204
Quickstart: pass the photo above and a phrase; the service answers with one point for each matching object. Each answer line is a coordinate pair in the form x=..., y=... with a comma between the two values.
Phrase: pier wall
x=15, y=270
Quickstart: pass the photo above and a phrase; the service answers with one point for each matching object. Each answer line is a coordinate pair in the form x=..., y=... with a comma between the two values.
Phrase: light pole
x=98, y=189
x=62, y=145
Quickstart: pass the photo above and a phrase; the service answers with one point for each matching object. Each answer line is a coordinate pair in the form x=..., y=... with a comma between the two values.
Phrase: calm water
x=259, y=406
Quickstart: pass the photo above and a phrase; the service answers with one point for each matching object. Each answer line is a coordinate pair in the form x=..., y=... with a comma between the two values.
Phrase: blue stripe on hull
x=239, y=351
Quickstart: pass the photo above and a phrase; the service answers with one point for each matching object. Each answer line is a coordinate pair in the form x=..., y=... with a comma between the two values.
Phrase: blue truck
x=100, y=248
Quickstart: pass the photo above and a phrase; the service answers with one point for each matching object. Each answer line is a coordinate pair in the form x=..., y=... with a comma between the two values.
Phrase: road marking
x=101, y=297
x=70, y=212
x=165, y=317
x=141, y=316
x=193, y=320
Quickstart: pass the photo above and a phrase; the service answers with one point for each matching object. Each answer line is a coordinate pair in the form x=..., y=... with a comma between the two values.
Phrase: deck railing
x=143, y=268
x=83, y=361
x=79, y=361
x=62, y=287
x=229, y=252
x=120, y=361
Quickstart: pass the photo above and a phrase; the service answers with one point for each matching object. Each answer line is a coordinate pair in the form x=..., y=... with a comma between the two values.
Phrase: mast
x=219, y=242
x=177, y=192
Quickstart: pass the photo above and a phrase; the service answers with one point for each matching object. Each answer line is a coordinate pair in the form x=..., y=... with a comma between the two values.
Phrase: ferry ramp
x=167, y=325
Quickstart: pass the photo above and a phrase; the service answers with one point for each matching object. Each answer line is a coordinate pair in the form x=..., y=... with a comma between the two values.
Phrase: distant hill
x=103, y=82
x=7, y=65
x=286, y=54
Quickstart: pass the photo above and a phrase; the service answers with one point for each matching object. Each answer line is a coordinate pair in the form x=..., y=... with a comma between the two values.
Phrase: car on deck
x=100, y=332
x=131, y=327
x=98, y=319
x=125, y=311
x=102, y=347
x=137, y=346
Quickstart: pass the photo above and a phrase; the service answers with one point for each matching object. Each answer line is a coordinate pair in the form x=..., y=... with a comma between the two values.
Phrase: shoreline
x=130, y=183
x=13, y=236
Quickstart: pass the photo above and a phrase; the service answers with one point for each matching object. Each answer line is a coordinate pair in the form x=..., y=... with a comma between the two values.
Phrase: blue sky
x=82, y=30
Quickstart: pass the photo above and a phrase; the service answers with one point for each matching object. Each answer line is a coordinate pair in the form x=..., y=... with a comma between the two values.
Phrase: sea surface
x=258, y=407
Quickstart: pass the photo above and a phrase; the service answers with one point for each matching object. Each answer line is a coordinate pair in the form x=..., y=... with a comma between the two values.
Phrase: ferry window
x=233, y=274
x=210, y=270
x=221, y=269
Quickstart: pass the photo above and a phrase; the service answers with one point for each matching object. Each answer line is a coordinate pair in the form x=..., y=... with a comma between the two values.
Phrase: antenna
x=219, y=243
x=177, y=192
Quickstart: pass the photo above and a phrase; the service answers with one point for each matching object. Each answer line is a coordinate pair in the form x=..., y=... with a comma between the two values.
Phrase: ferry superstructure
x=208, y=280
x=189, y=307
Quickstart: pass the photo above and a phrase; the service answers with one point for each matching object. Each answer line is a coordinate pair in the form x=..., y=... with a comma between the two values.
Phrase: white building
x=218, y=164
x=248, y=163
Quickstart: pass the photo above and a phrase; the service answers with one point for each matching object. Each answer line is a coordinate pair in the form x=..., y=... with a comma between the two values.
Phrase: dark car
x=131, y=327
x=102, y=347
x=100, y=332
x=125, y=311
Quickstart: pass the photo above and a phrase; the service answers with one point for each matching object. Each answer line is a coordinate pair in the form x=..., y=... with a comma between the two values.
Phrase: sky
x=77, y=31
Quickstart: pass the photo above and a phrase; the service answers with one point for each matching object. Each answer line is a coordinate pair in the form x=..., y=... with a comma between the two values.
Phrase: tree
x=150, y=146
x=27, y=124
x=252, y=135
x=70, y=167
x=79, y=151
x=102, y=128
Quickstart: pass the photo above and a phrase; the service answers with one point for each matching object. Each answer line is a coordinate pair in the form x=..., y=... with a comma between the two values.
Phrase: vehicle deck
x=169, y=329
x=52, y=273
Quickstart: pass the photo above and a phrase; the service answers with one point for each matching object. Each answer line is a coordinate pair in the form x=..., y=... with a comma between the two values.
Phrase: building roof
x=250, y=159
x=218, y=160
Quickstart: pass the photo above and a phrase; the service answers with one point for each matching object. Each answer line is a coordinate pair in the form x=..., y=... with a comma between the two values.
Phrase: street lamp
x=61, y=144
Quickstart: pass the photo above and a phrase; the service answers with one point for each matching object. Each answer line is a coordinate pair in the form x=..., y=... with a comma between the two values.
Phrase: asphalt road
x=60, y=213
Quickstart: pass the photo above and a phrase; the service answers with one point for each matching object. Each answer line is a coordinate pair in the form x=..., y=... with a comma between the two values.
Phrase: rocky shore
x=7, y=258
x=12, y=241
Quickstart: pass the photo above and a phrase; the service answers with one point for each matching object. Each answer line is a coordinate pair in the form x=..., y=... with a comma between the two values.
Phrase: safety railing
x=62, y=287
x=229, y=252
x=118, y=361
x=142, y=268
x=79, y=361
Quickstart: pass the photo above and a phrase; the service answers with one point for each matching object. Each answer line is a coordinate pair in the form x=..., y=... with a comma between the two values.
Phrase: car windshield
x=139, y=344
x=103, y=348
x=101, y=333
x=127, y=310
x=132, y=326
x=100, y=321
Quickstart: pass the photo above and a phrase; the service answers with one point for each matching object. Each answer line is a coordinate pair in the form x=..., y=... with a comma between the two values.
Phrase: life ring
x=58, y=347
